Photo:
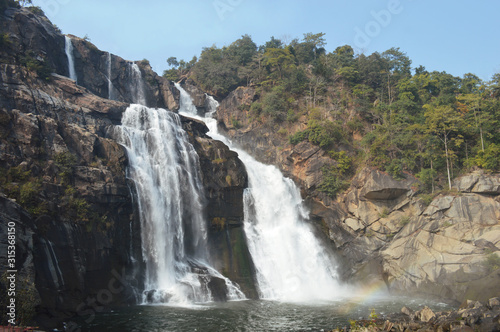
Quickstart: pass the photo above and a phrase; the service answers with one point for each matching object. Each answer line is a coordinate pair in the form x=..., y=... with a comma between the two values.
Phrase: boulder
x=378, y=185
x=478, y=182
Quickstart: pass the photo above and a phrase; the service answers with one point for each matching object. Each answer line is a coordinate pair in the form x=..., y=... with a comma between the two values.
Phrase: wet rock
x=425, y=315
x=218, y=289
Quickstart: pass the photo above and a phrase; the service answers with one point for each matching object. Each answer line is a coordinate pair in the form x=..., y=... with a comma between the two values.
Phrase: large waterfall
x=291, y=263
x=165, y=170
x=68, y=47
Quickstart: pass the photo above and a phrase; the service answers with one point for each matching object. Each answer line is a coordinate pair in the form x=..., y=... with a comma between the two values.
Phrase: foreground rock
x=472, y=316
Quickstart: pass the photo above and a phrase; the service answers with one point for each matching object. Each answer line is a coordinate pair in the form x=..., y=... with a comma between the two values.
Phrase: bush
x=333, y=182
x=5, y=40
x=36, y=65
x=489, y=159
x=274, y=104
x=36, y=10
x=492, y=262
x=427, y=177
x=256, y=108
x=298, y=137
x=65, y=161
x=323, y=134
x=171, y=74
x=395, y=169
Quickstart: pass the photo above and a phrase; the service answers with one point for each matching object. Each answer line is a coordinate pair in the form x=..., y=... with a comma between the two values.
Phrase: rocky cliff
x=63, y=176
x=386, y=233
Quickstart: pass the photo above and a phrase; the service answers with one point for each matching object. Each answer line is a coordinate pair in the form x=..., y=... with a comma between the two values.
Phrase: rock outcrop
x=471, y=316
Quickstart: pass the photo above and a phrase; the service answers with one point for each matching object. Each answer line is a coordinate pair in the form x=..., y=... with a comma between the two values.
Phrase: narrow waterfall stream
x=137, y=87
x=68, y=47
x=291, y=263
x=165, y=170
x=111, y=88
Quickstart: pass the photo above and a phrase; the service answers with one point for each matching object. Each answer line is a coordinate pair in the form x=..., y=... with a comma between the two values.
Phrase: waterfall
x=71, y=62
x=111, y=92
x=291, y=263
x=165, y=170
x=137, y=87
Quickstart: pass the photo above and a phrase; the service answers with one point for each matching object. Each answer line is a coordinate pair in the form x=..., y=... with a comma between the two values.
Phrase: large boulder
x=478, y=182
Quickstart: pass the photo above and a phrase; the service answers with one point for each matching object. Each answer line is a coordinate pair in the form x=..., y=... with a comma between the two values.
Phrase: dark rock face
x=224, y=179
x=112, y=77
x=82, y=220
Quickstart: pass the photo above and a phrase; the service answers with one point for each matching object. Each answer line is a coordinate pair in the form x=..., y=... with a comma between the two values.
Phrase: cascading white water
x=111, y=88
x=68, y=47
x=291, y=263
x=137, y=87
x=165, y=169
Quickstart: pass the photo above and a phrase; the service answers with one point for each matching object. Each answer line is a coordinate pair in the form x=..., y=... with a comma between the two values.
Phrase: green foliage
x=384, y=213
x=427, y=178
x=26, y=299
x=404, y=221
x=235, y=123
x=332, y=183
x=28, y=193
x=427, y=198
x=292, y=116
x=426, y=123
x=36, y=10
x=395, y=169
x=171, y=74
x=492, y=262
x=334, y=176
x=488, y=159
x=274, y=104
x=5, y=40
x=66, y=162
x=38, y=65
x=145, y=63
x=217, y=71
x=76, y=208
x=298, y=137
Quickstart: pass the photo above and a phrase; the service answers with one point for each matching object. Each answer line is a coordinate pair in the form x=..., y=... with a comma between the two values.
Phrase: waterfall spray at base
x=165, y=170
x=291, y=264
x=68, y=47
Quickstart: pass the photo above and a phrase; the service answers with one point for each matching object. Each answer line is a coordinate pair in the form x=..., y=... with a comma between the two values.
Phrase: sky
x=459, y=37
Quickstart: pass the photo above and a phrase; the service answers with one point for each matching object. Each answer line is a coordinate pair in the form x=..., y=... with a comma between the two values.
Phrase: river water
x=250, y=315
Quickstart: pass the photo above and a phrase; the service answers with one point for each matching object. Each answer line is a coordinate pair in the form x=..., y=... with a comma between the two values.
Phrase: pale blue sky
x=453, y=36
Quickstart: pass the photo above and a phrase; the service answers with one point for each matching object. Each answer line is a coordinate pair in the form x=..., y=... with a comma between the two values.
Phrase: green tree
x=443, y=120
x=172, y=62
x=242, y=50
x=278, y=60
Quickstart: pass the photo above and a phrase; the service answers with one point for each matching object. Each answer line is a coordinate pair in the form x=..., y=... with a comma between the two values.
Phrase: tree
x=278, y=59
x=172, y=61
x=242, y=50
x=272, y=43
x=443, y=120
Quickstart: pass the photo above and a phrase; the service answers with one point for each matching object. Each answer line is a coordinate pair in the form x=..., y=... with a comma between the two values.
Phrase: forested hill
x=374, y=110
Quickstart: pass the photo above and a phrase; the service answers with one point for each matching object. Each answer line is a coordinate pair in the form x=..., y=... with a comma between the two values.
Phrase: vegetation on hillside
x=377, y=108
